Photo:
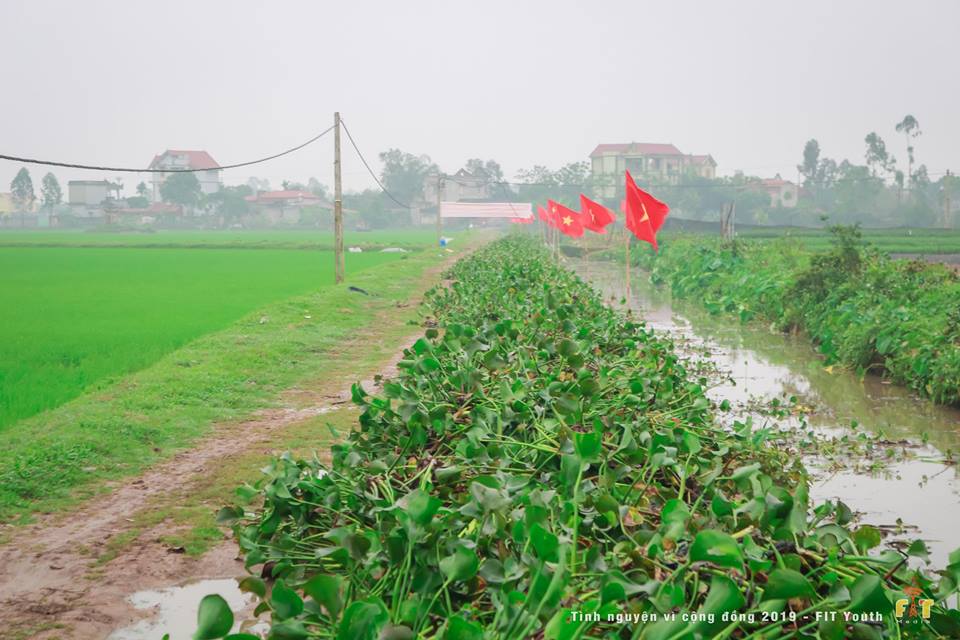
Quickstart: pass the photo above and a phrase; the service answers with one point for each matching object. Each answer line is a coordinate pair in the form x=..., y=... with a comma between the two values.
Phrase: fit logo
x=914, y=607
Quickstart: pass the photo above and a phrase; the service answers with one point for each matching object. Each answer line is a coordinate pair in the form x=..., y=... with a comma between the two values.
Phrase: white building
x=91, y=193
x=210, y=176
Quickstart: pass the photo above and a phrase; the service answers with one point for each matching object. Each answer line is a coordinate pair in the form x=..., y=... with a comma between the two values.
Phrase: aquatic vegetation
x=897, y=318
x=542, y=466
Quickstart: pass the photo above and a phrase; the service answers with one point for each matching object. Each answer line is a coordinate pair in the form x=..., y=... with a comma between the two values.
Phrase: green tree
x=491, y=172
x=403, y=174
x=910, y=129
x=318, y=189
x=21, y=190
x=50, y=192
x=877, y=155
x=142, y=190
x=811, y=162
x=231, y=202
x=181, y=188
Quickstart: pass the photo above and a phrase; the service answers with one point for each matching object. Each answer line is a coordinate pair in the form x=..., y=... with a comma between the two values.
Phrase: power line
x=70, y=165
x=369, y=170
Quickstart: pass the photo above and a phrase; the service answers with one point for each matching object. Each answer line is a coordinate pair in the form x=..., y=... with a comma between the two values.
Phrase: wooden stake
x=337, y=204
x=626, y=234
x=439, y=200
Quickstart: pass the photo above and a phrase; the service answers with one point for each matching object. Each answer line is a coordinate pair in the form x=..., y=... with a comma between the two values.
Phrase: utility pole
x=439, y=200
x=337, y=203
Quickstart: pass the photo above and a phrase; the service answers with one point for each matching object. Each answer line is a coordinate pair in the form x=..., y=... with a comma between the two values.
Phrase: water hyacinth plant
x=543, y=466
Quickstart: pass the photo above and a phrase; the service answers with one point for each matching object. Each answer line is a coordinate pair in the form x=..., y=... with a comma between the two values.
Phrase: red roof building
x=783, y=193
x=206, y=169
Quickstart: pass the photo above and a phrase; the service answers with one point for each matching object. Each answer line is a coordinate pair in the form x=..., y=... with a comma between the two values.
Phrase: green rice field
x=72, y=318
x=265, y=239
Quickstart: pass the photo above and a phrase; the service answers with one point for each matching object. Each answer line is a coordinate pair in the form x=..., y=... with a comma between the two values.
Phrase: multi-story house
x=655, y=162
x=210, y=175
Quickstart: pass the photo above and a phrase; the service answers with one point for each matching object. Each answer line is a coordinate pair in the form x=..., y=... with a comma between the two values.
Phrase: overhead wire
x=369, y=170
x=71, y=165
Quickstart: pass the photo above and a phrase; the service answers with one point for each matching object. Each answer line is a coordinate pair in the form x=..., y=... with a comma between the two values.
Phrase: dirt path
x=52, y=584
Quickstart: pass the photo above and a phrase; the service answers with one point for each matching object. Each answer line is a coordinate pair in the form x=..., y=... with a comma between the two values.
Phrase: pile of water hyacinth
x=543, y=466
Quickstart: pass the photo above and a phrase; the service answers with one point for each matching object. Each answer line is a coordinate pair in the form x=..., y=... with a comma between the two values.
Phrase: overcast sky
x=523, y=83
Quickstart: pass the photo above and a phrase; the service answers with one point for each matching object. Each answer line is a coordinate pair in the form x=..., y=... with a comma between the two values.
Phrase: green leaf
x=459, y=628
x=229, y=515
x=568, y=348
x=396, y=632
x=492, y=360
x=327, y=591
x=867, y=594
x=724, y=597
x=918, y=549
x=717, y=547
x=720, y=507
x=363, y=620
x=844, y=514
x=284, y=601
x=461, y=566
x=783, y=584
x=253, y=584
x=588, y=445
x=289, y=630
x=214, y=618
x=866, y=538
x=673, y=517
x=544, y=543
x=421, y=506
x=745, y=471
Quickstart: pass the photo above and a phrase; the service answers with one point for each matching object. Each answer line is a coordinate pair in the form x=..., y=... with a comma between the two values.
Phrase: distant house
x=462, y=186
x=658, y=162
x=209, y=172
x=6, y=204
x=91, y=194
x=285, y=207
x=783, y=193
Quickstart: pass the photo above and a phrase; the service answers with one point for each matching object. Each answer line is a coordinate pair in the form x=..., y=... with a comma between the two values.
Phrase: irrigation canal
x=758, y=365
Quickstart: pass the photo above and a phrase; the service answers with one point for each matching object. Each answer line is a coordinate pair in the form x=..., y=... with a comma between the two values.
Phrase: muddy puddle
x=173, y=610
x=909, y=483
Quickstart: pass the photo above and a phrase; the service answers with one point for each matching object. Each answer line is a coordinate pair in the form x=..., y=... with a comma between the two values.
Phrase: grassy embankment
x=893, y=317
x=125, y=423
x=540, y=455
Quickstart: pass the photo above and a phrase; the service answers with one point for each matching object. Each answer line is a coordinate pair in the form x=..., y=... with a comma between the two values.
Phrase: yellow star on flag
x=567, y=220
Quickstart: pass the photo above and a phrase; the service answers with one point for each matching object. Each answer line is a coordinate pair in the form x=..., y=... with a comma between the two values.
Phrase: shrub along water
x=898, y=318
x=543, y=466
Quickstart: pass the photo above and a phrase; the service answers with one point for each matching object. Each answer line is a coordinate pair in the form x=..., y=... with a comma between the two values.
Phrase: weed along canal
x=883, y=451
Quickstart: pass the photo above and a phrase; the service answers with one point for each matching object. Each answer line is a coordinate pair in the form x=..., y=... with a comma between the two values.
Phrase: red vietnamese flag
x=544, y=216
x=595, y=216
x=566, y=219
x=637, y=212
x=654, y=208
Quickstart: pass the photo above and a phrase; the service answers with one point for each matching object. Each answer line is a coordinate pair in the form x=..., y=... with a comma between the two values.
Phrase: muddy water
x=174, y=610
x=761, y=365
